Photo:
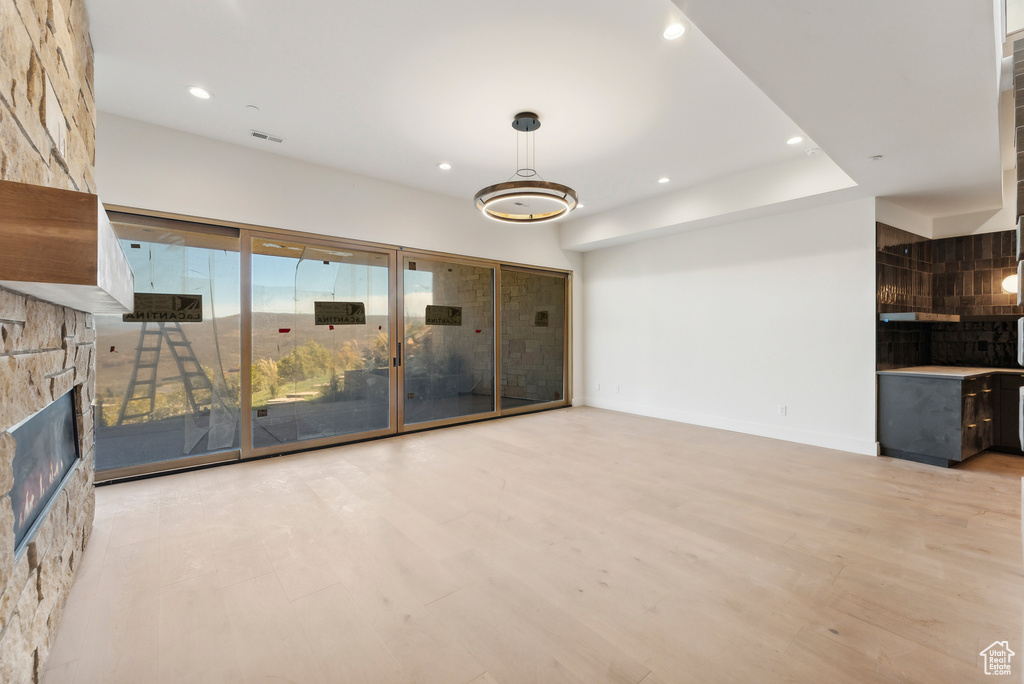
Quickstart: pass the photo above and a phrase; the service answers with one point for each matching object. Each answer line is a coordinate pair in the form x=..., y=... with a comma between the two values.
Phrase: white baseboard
x=867, y=447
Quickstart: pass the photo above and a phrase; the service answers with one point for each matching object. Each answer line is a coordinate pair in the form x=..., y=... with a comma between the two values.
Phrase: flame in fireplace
x=46, y=449
x=35, y=490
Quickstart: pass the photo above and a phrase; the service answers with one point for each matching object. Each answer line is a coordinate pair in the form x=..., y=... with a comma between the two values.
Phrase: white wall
x=143, y=166
x=898, y=216
x=936, y=228
x=807, y=181
x=720, y=326
x=978, y=222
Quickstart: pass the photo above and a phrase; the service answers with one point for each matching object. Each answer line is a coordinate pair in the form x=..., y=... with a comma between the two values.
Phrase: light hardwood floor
x=571, y=546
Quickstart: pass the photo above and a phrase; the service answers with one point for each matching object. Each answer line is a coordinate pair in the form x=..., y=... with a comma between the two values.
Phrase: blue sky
x=215, y=274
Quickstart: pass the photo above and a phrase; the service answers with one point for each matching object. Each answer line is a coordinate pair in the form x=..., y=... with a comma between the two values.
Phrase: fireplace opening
x=46, y=452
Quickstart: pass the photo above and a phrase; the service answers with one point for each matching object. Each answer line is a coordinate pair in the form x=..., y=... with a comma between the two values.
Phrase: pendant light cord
x=530, y=167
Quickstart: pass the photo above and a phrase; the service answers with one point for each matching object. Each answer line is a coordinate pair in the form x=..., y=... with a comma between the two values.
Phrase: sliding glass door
x=167, y=387
x=321, y=342
x=448, y=358
x=533, y=338
x=249, y=342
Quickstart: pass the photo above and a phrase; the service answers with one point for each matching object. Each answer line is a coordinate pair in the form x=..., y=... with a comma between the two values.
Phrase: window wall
x=250, y=342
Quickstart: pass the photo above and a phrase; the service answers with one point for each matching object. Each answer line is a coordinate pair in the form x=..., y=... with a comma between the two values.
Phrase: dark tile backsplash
x=903, y=271
x=903, y=344
x=991, y=344
x=968, y=272
x=960, y=275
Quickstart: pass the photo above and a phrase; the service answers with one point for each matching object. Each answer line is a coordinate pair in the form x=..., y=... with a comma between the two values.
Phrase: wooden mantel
x=58, y=245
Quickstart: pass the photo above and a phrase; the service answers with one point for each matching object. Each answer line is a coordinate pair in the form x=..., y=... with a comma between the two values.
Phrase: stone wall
x=47, y=129
x=47, y=106
x=45, y=350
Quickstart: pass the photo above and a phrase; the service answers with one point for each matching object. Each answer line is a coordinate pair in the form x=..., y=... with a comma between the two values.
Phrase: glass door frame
x=248, y=235
x=144, y=220
x=406, y=255
x=396, y=266
x=566, y=399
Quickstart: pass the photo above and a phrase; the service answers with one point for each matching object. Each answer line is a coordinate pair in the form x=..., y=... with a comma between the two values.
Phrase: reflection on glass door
x=532, y=338
x=321, y=359
x=448, y=340
x=167, y=375
x=310, y=342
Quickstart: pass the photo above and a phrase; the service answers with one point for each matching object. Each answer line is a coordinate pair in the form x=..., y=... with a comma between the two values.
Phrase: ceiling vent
x=266, y=136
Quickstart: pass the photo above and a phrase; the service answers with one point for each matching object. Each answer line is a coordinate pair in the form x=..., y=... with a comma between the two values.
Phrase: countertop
x=951, y=372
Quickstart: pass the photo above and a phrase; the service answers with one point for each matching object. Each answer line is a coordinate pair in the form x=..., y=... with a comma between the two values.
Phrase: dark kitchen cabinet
x=977, y=416
x=937, y=420
x=1007, y=415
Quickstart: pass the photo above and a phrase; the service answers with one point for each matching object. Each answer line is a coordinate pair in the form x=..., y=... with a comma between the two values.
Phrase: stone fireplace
x=46, y=351
x=59, y=260
x=54, y=253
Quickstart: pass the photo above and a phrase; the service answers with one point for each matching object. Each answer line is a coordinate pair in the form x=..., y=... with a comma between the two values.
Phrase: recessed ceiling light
x=444, y=166
x=674, y=31
x=795, y=140
x=201, y=93
x=663, y=180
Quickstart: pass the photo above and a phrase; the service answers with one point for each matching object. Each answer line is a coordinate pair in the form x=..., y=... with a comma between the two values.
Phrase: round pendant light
x=523, y=199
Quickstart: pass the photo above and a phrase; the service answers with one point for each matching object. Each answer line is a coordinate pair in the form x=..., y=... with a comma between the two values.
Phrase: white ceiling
x=916, y=81
x=389, y=89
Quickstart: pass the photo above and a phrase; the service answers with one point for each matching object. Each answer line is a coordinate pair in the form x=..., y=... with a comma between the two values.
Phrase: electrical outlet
x=782, y=409
x=615, y=388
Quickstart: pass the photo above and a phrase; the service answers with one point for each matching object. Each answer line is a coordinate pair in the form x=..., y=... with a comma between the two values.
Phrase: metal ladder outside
x=198, y=390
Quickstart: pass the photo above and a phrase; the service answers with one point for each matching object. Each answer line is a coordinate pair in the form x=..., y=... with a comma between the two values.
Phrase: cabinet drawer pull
x=986, y=391
x=973, y=425
x=973, y=394
x=987, y=420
